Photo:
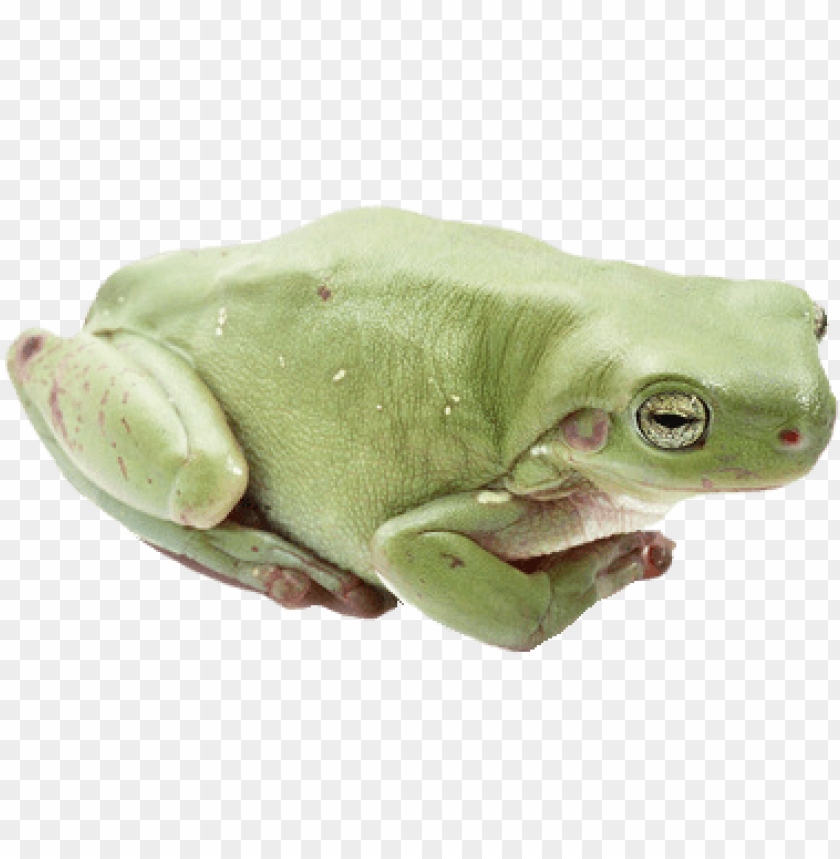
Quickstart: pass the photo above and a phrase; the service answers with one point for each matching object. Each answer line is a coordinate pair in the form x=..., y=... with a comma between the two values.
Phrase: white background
x=146, y=710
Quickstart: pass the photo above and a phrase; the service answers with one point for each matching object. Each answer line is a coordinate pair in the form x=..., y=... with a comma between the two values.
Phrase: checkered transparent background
x=146, y=710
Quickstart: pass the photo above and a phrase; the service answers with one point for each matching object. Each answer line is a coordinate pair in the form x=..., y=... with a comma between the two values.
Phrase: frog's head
x=714, y=385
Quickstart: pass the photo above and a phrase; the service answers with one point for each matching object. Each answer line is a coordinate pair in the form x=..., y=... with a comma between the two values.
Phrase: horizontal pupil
x=671, y=421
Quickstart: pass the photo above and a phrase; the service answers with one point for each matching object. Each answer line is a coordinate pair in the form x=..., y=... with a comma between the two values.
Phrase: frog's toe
x=364, y=600
x=290, y=588
x=657, y=554
x=295, y=589
x=642, y=555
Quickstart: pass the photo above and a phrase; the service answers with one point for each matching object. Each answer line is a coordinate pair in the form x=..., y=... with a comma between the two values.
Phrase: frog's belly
x=554, y=526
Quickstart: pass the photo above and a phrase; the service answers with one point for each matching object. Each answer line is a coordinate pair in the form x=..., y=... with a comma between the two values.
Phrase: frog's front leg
x=432, y=558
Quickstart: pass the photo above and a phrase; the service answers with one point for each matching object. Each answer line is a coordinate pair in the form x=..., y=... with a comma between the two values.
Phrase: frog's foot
x=640, y=555
x=294, y=588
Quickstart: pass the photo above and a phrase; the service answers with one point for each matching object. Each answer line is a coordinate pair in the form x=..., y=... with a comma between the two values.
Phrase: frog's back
x=391, y=251
x=358, y=359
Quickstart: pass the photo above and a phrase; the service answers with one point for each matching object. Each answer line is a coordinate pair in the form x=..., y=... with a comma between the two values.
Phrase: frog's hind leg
x=160, y=459
x=135, y=419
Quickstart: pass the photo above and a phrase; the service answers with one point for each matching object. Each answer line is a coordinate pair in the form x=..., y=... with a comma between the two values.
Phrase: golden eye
x=673, y=420
x=820, y=322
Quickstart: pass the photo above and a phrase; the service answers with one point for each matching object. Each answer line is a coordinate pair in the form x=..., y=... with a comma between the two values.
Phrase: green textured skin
x=370, y=375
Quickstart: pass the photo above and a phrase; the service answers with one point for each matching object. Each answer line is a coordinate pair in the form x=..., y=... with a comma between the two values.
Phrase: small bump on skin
x=121, y=462
x=339, y=375
x=490, y=497
x=324, y=292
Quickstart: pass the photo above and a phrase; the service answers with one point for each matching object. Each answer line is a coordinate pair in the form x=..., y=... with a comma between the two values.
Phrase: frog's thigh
x=424, y=560
x=136, y=420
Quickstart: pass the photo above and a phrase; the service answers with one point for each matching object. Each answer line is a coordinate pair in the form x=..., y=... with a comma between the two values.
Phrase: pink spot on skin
x=57, y=416
x=102, y=422
x=324, y=292
x=124, y=422
x=586, y=430
x=30, y=346
x=105, y=397
x=707, y=484
x=122, y=467
x=125, y=398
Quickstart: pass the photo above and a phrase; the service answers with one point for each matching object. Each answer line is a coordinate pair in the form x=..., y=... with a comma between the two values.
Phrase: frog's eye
x=673, y=420
x=820, y=322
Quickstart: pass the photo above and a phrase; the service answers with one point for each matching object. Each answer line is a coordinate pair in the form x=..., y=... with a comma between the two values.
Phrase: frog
x=382, y=407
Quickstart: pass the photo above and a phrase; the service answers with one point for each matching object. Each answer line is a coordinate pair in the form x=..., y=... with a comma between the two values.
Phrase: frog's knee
x=23, y=350
x=135, y=420
x=205, y=489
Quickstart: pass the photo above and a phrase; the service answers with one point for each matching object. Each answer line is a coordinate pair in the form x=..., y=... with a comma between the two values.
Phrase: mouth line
x=690, y=492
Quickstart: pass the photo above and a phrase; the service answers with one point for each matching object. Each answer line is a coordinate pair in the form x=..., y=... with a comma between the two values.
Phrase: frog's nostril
x=790, y=437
